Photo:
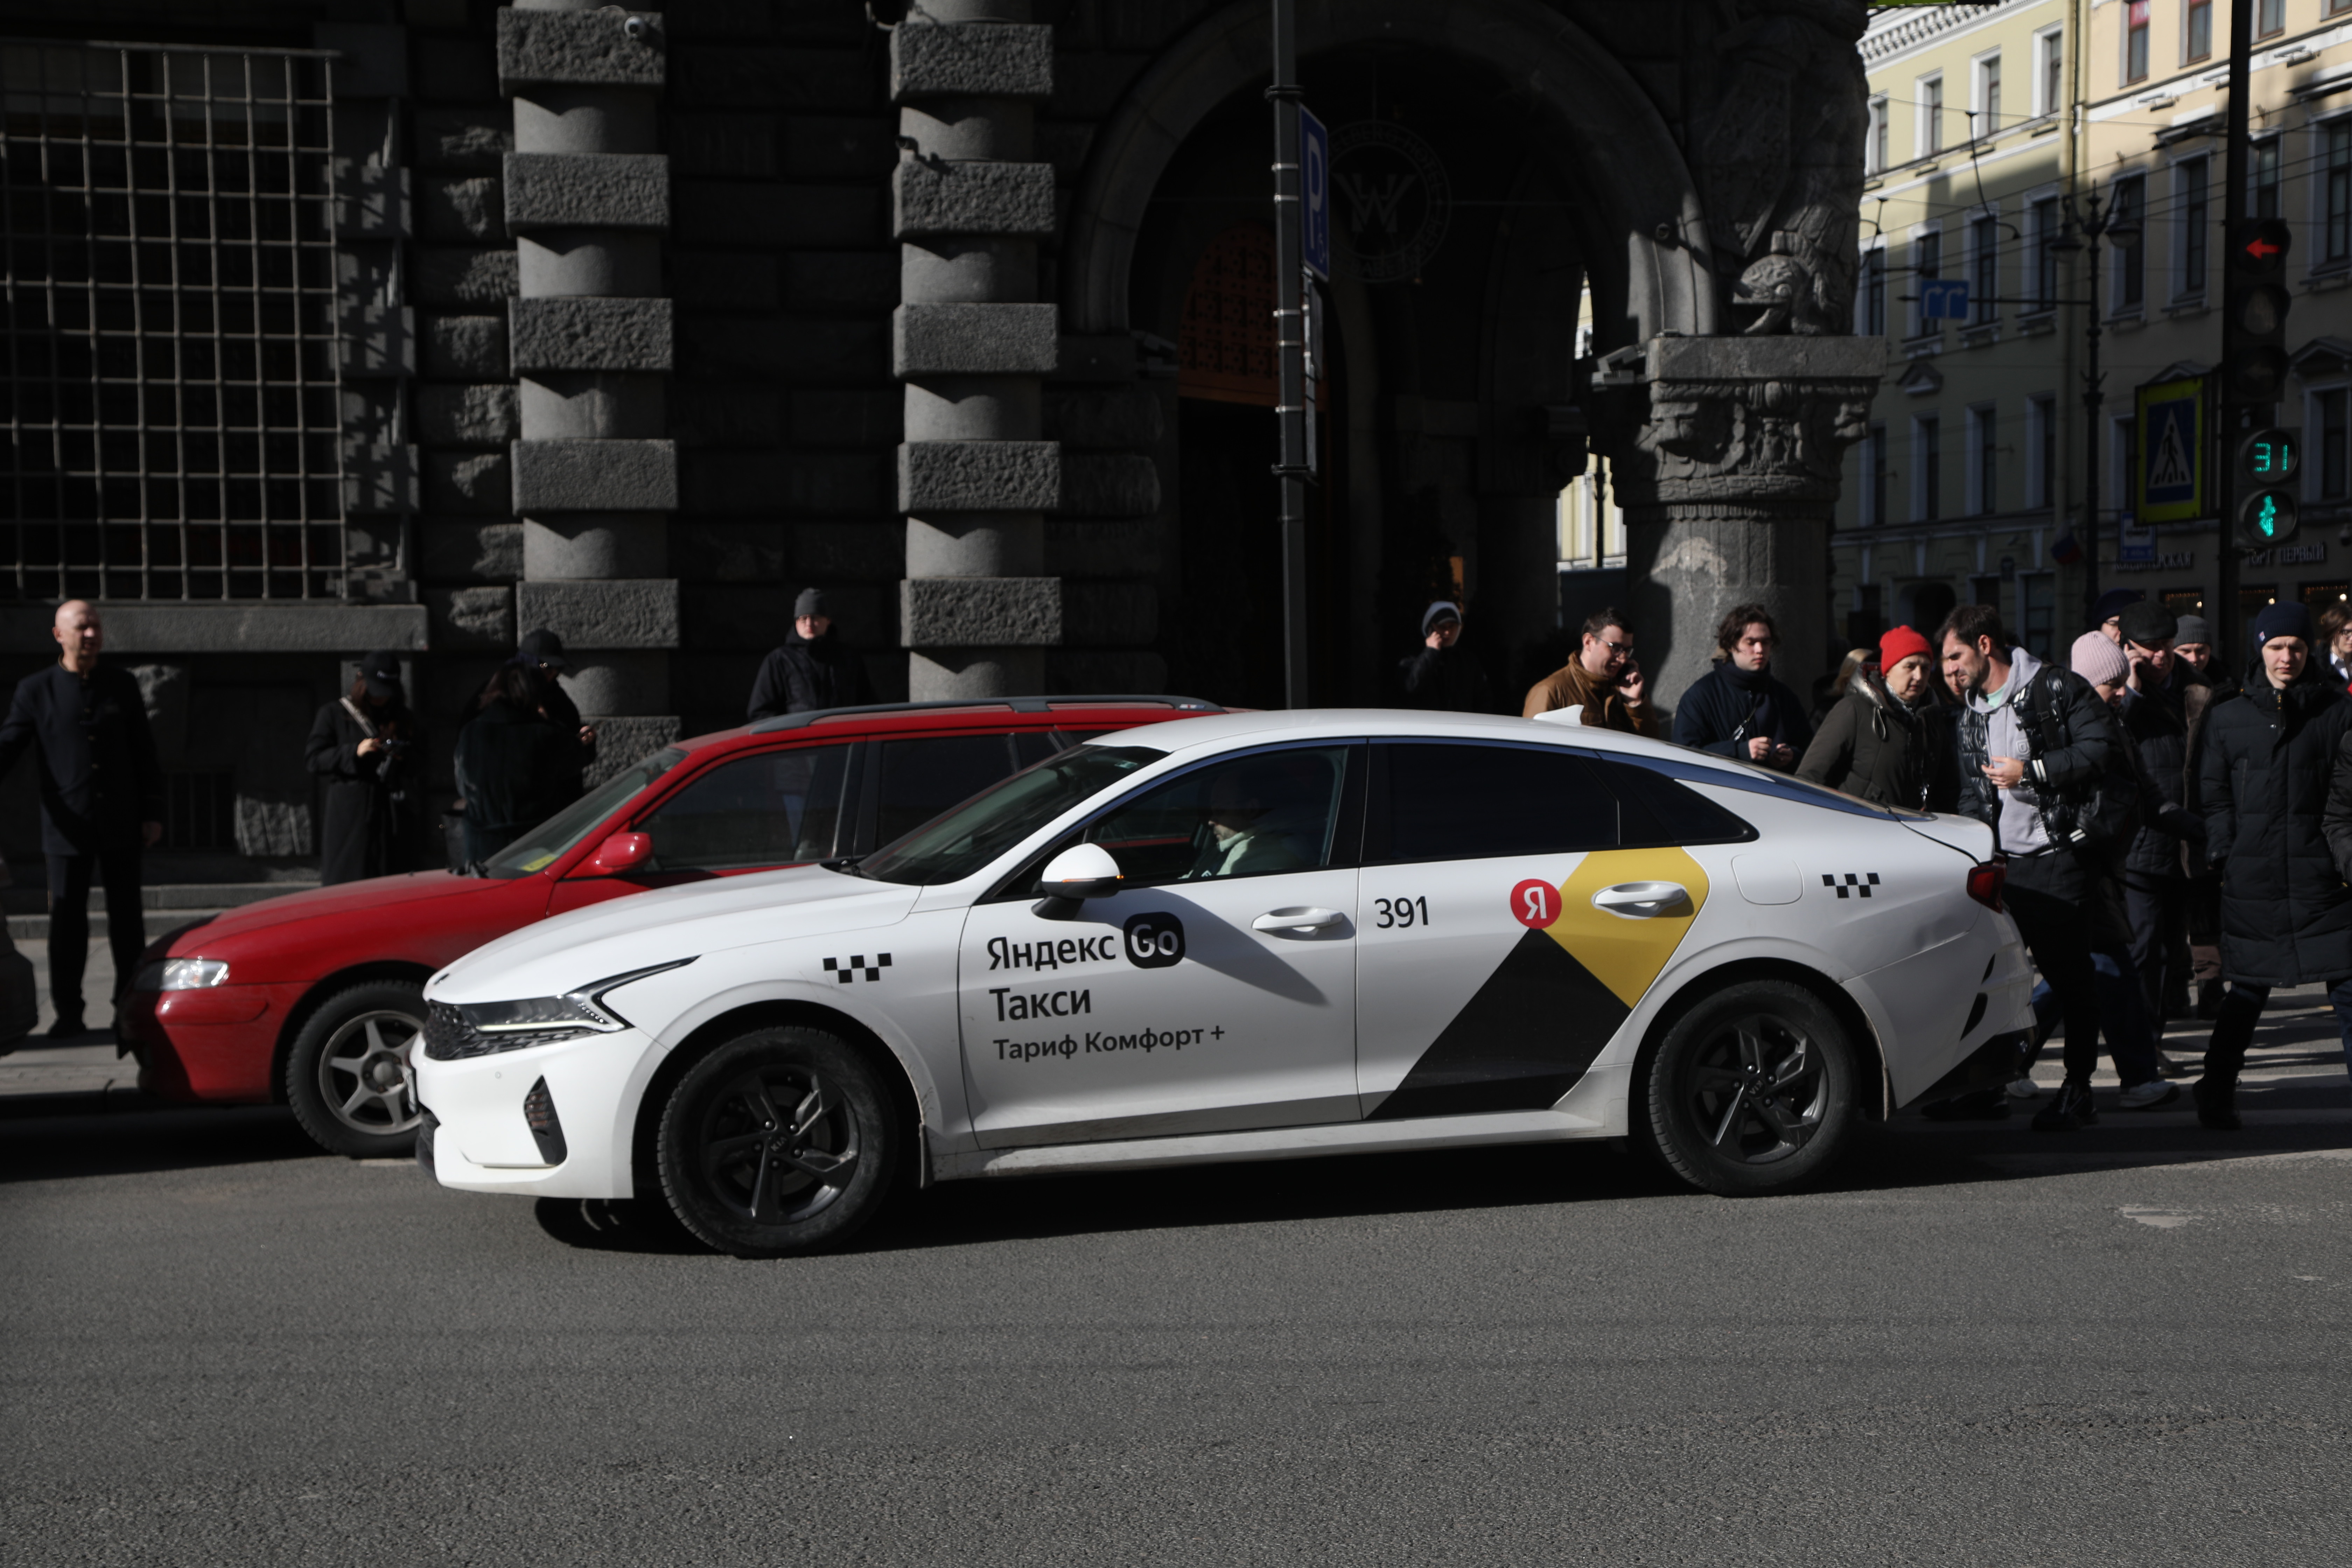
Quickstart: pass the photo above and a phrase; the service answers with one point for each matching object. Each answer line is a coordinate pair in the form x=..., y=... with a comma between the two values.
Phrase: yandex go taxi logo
x=1154, y=941
x=1534, y=904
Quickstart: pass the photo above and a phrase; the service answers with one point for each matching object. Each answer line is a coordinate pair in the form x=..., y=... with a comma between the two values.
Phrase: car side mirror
x=621, y=852
x=1080, y=872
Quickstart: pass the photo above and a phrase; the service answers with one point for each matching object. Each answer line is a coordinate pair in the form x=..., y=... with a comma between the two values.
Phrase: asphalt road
x=1977, y=1345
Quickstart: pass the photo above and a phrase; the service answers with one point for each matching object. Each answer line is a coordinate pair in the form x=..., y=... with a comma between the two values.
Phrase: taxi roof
x=1308, y=723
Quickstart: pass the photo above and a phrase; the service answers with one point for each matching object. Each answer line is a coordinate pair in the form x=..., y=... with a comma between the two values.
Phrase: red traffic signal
x=2258, y=247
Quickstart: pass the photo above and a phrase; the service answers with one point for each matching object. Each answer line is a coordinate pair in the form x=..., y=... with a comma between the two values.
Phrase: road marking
x=2162, y=1219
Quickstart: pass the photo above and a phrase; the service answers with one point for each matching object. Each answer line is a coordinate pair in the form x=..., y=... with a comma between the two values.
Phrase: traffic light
x=2268, y=460
x=2255, y=370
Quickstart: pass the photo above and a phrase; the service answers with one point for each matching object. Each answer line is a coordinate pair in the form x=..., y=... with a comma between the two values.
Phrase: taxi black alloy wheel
x=1752, y=1090
x=778, y=1141
x=344, y=1076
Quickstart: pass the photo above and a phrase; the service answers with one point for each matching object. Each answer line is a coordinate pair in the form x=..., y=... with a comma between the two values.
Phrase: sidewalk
x=71, y=1077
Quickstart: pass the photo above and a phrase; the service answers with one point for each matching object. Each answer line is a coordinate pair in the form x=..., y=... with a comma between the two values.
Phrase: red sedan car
x=314, y=999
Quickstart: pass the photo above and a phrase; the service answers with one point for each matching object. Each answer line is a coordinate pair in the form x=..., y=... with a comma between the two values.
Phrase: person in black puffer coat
x=2164, y=700
x=516, y=766
x=2270, y=775
x=1887, y=740
x=814, y=669
x=1737, y=709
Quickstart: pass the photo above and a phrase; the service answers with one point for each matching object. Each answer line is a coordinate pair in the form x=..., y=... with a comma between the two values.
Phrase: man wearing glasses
x=1602, y=679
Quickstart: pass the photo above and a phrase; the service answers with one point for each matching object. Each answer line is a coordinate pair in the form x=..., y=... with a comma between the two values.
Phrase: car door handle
x=1297, y=921
x=1642, y=901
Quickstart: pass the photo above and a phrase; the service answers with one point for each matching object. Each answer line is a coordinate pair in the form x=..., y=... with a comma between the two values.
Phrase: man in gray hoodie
x=2014, y=779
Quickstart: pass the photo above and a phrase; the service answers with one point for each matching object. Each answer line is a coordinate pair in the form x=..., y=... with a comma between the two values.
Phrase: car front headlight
x=481, y=1028
x=182, y=974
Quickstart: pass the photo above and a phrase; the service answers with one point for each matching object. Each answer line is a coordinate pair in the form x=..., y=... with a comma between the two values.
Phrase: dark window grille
x=200, y=811
x=1984, y=262
x=1929, y=456
x=1873, y=294
x=1988, y=457
x=2193, y=218
x=2045, y=260
x=2263, y=200
x=2131, y=270
x=167, y=317
x=2335, y=471
x=2338, y=232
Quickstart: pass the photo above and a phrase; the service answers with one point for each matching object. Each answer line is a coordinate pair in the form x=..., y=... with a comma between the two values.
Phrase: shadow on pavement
x=58, y=1148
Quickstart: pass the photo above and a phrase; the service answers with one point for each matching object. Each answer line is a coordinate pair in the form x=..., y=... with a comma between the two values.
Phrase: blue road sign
x=1315, y=180
x=1944, y=297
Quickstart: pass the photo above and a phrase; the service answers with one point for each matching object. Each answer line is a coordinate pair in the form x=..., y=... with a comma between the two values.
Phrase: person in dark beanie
x=2161, y=703
x=1438, y=675
x=2106, y=616
x=1887, y=740
x=516, y=766
x=2278, y=822
x=364, y=744
x=814, y=669
x=543, y=652
x=102, y=800
x=1737, y=710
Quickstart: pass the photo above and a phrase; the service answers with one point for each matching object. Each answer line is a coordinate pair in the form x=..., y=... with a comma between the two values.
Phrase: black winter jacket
x=99, y=778
x=2086, y=753
x=2267, y=780
x=1447, y=681
x=1874, y=748
x=2157, y=723
x=1725, y=708
x=517, y=769
x=366, y=823
x=804, y=676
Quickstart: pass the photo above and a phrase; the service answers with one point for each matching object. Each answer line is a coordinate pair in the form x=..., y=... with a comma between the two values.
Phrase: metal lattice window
x=169, y=324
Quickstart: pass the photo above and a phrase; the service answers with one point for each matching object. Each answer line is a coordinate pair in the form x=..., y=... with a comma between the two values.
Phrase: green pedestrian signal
x=2267, y=518
x=2268, y=457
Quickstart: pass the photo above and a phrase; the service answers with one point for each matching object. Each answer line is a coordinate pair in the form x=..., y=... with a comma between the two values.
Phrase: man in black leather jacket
x=813, y=669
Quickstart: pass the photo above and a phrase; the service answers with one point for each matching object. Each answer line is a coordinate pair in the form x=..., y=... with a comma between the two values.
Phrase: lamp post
x=2082, y=233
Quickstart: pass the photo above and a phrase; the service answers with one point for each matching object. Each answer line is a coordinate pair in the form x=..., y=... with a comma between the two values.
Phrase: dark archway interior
x=1444, y=439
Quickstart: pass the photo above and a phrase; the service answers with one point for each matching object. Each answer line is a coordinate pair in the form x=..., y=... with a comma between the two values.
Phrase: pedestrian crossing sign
x=2171, y=468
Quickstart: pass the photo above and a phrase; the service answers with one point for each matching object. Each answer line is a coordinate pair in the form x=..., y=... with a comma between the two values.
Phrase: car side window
x=1437, y=800
x=920, y=778
x=1656, y=809
x=771, y=808
x=1252, y=815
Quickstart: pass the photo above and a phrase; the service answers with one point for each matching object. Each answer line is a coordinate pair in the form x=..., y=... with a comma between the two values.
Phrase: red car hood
x=345, y=898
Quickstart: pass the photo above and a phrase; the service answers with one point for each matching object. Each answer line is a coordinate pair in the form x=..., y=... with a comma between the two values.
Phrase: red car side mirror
x=621, y=852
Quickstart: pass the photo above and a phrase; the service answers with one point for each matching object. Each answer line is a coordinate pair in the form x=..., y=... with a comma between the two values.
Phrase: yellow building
x=1990, y=126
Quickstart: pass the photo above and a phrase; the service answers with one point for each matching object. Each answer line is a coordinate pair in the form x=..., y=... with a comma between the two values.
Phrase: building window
x=1926, y=467
x=1984, y=269
x=2136, y=41
x=1931, y=116
x=2049, y=81
x=1988, y=97
x=2042, y=219
x=1984, y=462
x=2270, y=19
x=170, y=337
x=2190, y=201
x=2337, y=230
x=1879, y=118
x=1873, y=471
x=1927, y=261
x=2332, y=475
x=1873, y=294
x=2040, y=449
x=2198, y=42
x=2262, y=171
x=2037, y=596
x=2337, y=8
x=2131, y=271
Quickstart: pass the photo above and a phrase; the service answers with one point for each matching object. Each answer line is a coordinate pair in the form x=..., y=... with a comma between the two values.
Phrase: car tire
x=778, y=1141
x=346, y=1075
x=1752, y=1091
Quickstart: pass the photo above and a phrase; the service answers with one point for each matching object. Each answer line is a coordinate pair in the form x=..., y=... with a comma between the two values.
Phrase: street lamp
x=2084, y=233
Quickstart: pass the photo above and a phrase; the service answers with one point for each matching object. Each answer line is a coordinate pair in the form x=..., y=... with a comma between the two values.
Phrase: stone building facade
x=631, y=323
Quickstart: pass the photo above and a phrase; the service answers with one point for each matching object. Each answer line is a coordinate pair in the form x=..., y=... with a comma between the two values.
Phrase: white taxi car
x=1250, y=936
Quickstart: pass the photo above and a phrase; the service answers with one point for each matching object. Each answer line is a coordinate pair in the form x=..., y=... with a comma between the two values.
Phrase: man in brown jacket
x=1601, y=678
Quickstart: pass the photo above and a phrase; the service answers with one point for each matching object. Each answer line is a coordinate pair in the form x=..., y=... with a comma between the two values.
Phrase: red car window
x=768, y=808
x=921, y=778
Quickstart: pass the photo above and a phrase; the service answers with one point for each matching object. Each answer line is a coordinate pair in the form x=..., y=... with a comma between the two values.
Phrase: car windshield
x=953, y=846
x=544, y=844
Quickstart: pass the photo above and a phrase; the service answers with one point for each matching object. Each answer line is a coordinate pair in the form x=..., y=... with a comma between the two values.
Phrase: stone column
x=595, y=475
x=1728, y=480
x=971, y=342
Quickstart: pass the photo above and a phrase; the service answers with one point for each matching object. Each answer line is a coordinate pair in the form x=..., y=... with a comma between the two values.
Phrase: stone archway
x=1645, y=233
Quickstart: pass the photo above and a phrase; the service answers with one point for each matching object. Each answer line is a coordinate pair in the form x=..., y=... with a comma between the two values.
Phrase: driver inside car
x=1240, y=843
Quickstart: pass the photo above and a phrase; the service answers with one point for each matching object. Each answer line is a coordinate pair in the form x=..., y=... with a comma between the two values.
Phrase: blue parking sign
x=1315, y=183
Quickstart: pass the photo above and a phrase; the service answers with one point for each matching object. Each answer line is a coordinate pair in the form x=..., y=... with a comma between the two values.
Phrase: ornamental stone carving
x=1745, y=427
